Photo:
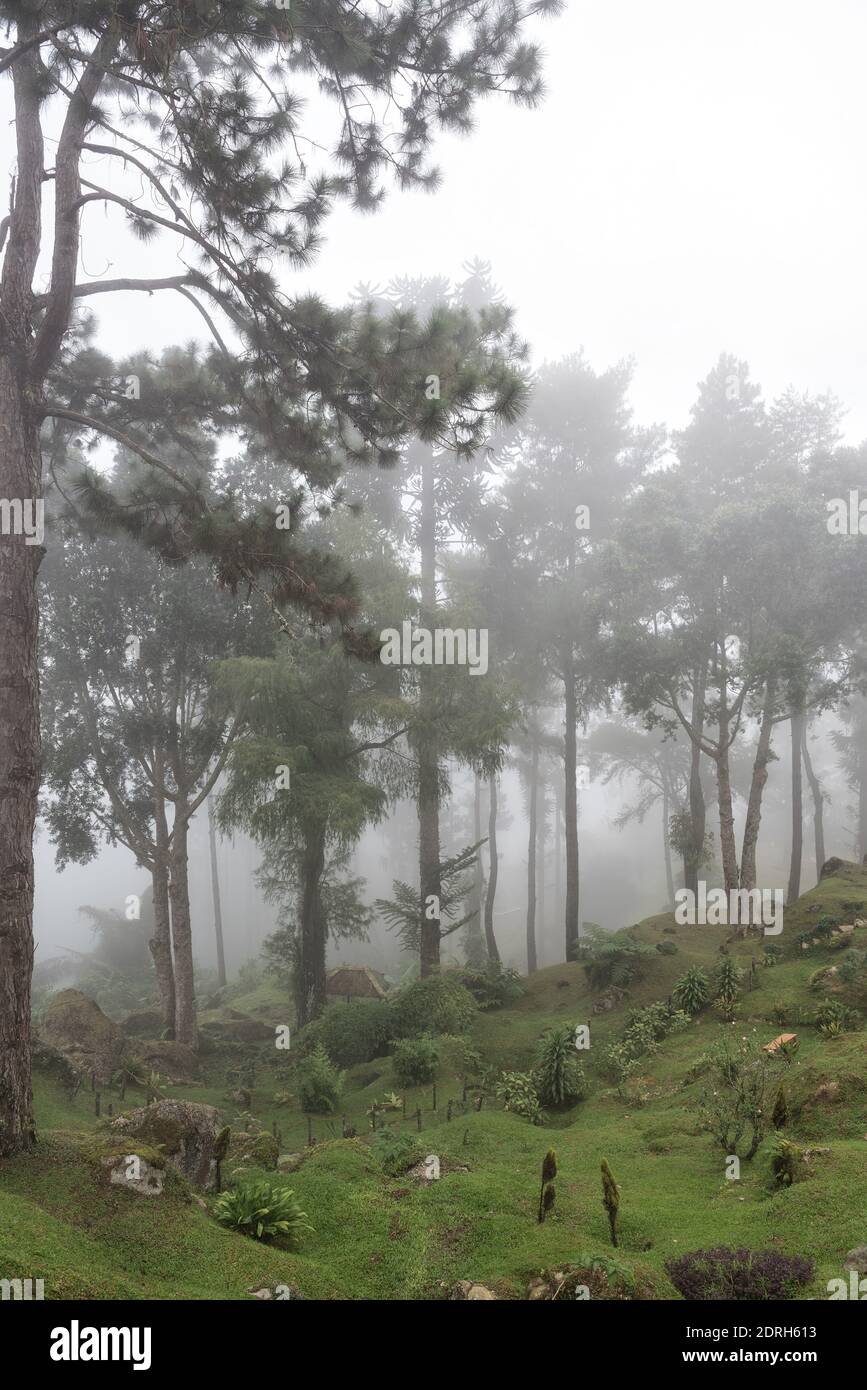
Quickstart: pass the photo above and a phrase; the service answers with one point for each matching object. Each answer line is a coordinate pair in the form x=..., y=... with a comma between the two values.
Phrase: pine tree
x=173, y=95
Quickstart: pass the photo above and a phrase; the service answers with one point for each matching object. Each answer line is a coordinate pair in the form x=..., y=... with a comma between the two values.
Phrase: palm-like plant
x=692, y=990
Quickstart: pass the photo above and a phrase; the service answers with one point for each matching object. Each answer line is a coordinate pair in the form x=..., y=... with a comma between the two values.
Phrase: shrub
x=610, y=1200
x=737, y=1102
x=780, y=1113
x=351, y=1033
x=852, y=966
x=415, y=1060
x=771, y=954
x=784, y=1161
x=667, y=948
x=493, y=986
x=741, y=1275
x=395, y=1151
x=319, y=1083
x=437, y=1004
x=692, y=990
x=559, y=1079
x=833, y=1018
x=517, y=1091
x=727, y=983
x=262, y=1210
x=547, y=1191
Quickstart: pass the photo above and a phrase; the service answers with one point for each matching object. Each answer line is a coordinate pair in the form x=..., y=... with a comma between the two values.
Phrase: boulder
x=184, y=1131
x=87, y=1037
x=258, y=1150
x=146, y=1023
x=467, y=1291
x=857, y=1259
x=830, y=867
x=174, y=1061
x=136, y=1174
x=239, y=1028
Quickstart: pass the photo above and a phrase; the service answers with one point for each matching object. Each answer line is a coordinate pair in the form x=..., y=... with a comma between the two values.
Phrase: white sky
x=694, y=182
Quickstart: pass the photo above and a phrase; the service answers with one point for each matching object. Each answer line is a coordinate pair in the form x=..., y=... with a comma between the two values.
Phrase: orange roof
x=780, y=1041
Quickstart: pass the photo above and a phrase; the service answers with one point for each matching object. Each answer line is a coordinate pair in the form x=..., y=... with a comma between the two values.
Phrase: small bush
x=262, y=1210
x=559, y=1079
x=784, y=1161
x=741, y=1275
x=667, y=948
x=833, y=1018
x=351, y=1033
x=692, y=991
x=319, y=1083
x=395, y=1151
x=438, y=1004
x=517, y=1091
x=415, y=1060
x=494, y=986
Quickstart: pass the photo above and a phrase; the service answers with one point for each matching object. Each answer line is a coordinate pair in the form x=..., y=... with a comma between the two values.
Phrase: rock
x=830, y=867
x=87, y=1037
x=280, y=1292
x=609, y=1000
x=287, y=1163
x=258, y=1150
x=537, y=1290
x=174, y=1061
x=466, y=1291
x=241, y=1097
x=183, y=1130
x=50, y=1061
x=136, y=1174
x=427, y=1171
x=146, y=1023
x=857, y=1259
x=239, y=1028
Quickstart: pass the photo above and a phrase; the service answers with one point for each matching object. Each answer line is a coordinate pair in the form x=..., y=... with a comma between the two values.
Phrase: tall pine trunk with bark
x=531, y=860
x=430, y=884
x=697, y=808
x=570, y=773
x=309, y=974
x=215, y=896
x=757, y=788
x=798, y=725
x=493, y=870
x=818, y=806
x=186, y=1030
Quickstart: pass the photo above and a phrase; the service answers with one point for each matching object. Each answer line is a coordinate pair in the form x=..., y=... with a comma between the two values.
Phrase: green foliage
x=559, y=1079
x=494, y=986
x=736, y=1104
x=727, y=985
x=834, y=1017
x=547, y=1191
x=395, y=1151
x=437, y=1004
x=351, y=1032
x=667, y=948
x=263, y=1210
x=785, y=1157
x=780, y=1112
x=692, y=991
x=852, y=966
x=319, y=1083
x=517, y=1091
x=416, y=1060
x=611, y=959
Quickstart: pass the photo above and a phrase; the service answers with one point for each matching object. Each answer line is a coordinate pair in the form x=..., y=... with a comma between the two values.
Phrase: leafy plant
x=262, y=1210
x=727, y=985
x=517, y=1091
x=438, y=1004
x=415, y=1060
x=493, y=986
x=742, y=1275
x=395, y=1151
x=319, y=1083
x=780, y=1112
x=784, y=1161
x=736, y=1104
x=559, y=1079
x=692, y=991
x=351, y=1033
x=833, y=1018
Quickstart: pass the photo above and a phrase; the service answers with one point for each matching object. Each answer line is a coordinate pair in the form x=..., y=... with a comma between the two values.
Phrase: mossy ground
x=380, y=1237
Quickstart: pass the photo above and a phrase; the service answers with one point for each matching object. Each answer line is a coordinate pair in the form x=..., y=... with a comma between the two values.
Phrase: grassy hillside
x=396, y=1238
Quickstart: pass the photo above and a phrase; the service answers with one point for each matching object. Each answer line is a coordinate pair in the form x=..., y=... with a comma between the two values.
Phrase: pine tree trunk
x=182, y=935
x=20, y=479
x=818, y=806
x=430, y=885
x=697, y=808
x=570, y=759
x=728, y=847
x=757, y=787
x=541, y=869
x=474, y=948
x=215, y=894
x=666, y=816
x=794, y=889
x=860, y=732
x=531, y=862
x=490, y=940
x=312, y=945
x=161, y=942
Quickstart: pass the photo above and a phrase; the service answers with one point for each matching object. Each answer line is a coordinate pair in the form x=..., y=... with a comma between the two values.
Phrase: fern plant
x=692, y=991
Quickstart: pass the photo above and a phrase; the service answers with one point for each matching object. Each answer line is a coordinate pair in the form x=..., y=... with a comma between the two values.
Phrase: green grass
x=380, y=1237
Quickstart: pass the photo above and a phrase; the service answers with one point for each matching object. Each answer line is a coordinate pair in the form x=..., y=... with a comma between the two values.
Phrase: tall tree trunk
x=20, y=480
x=571, y=804
x=161, y=942
x=666, y=842
x=794, y=889
x=757, y=787
x=311, y=954
x=531, y=861
x=558, y=855
x=215, y=893
x=860, y=732
x=697, y=808
x=490, y=939
x=182, y=934
x=818, y=806
x=430, y=884
x=728, y=847
x=474, y=942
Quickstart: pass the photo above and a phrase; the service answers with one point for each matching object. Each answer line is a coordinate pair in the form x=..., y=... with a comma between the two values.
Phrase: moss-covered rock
x=184, y=1131
x=88, y=1038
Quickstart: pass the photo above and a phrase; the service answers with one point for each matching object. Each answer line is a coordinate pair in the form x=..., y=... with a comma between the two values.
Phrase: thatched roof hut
x=354, y=982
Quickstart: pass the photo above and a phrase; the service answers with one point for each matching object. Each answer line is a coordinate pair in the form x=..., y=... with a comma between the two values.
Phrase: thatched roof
x=355, y=981
x=781, y=1041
